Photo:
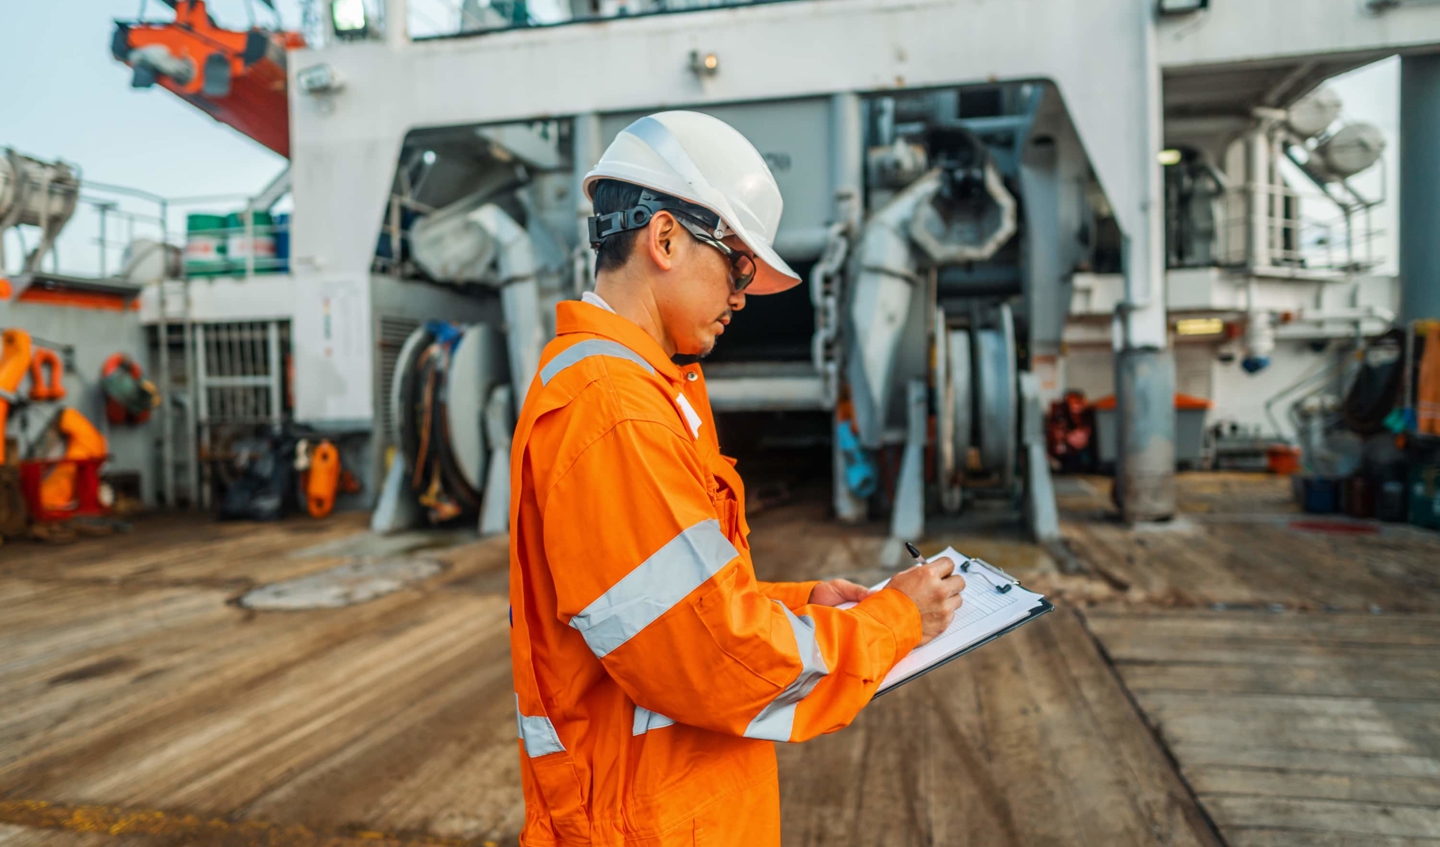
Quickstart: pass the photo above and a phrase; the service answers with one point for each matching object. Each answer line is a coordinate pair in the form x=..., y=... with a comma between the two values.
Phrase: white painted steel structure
x=1127, y=83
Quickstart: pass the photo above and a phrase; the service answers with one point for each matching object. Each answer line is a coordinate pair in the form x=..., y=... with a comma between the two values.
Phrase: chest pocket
x=727, y=495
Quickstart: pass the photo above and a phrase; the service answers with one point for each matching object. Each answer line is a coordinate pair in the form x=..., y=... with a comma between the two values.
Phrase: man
x=653, y=672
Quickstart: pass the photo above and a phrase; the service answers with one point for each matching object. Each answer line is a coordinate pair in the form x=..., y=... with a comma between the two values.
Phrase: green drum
x=259, y=243
x=204, y=245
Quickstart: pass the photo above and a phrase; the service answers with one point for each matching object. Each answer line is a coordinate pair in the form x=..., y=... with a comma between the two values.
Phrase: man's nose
x=737, y=301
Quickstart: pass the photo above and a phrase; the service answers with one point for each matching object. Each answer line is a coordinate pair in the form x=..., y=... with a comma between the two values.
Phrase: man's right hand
x=935, y=589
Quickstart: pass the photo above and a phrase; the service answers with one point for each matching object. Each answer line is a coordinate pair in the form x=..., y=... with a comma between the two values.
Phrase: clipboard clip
x=985, y=570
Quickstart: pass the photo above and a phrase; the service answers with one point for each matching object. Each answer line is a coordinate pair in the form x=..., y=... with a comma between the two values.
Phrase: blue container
x=1320, y=495
x=282, y=244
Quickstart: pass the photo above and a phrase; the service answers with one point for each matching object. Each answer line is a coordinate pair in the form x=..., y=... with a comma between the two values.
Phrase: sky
x=1372, y=95
x=83, y=110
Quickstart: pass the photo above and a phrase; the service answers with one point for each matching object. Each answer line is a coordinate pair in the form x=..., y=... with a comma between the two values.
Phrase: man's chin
x=683, y=359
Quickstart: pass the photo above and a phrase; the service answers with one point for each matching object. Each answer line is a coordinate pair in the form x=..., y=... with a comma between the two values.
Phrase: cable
x=436, y=477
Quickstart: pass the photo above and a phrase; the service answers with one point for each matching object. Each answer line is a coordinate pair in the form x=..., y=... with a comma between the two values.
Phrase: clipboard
x=1044, y=607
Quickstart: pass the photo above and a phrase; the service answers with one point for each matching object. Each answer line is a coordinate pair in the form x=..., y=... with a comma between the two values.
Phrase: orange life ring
x=115, y=412
x=324, y=479
x=41, y=391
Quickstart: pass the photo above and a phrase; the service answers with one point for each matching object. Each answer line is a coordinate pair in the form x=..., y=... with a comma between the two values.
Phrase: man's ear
x=662, y=239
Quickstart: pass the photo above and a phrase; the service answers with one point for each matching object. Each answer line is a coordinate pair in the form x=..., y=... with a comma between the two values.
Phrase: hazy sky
x=1372, y=95
x=81, y=108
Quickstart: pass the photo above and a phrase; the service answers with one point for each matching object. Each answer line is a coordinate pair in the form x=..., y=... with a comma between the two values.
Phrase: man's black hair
x=612, y=195
x=622, y=209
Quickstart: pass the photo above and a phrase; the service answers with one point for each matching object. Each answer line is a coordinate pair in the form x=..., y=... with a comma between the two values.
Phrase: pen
x=1003, y=588
x=915, y=553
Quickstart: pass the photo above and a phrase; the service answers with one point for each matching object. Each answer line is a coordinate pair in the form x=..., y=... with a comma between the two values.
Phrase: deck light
x=704, y=64
x=1182, y=7
x=348, y=17
x=1169, y=157
x=1199, y=326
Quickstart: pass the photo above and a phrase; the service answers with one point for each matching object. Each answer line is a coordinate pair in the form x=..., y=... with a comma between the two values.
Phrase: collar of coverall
x=574, y=316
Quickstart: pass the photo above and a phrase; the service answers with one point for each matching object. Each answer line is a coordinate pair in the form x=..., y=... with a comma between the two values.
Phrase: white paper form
x=983, y=613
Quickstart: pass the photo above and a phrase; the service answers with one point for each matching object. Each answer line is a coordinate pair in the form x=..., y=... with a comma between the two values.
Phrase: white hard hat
x=705, y=161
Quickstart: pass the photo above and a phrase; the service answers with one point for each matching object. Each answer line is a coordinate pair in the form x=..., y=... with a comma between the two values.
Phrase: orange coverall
x=652, y=671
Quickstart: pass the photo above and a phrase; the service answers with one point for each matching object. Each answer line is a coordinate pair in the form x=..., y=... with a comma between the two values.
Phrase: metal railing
x=116, y=231
x=1278, y=230
x=1285, y=231
x=450, y=18
x=107, y=220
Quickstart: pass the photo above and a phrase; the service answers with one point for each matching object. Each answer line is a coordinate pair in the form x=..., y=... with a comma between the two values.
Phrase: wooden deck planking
x=138, y=686
x=1288, y=725
x=20, y=836
x=1234, y=544
x=1314, y=727
x=142, y=693
x=1262, y=837
x=174, y=699
x=1320, y=785
x=1312, y=815
x=1023, y=742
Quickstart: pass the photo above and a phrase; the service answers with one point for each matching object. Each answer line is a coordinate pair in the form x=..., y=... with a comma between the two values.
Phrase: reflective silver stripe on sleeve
x=584, y=350
x=654, y=586
x=646, y=720
x=537, y=733
x=776, y=721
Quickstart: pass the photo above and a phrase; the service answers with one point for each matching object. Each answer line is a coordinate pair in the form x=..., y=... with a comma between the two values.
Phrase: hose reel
x=443, y=381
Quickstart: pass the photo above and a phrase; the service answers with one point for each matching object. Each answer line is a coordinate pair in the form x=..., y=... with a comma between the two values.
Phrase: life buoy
x=40, y=390
x=130, y=403
x=323, y=481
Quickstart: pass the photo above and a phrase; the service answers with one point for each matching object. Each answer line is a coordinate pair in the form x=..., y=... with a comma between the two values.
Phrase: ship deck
x=1239, y=676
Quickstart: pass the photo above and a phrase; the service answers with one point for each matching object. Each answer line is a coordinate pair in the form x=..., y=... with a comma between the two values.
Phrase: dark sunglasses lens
x=744, y=271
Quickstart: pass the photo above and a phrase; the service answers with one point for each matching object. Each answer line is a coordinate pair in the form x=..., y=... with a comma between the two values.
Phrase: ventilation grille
x=392, y=335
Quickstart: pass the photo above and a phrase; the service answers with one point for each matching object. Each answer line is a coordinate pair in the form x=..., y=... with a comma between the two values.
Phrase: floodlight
x=348, y=17
x=1182, y=7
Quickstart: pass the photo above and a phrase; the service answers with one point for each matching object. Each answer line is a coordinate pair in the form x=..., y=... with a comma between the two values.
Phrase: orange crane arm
x=236, y=77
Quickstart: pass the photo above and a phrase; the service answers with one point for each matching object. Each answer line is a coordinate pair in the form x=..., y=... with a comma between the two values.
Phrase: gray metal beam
x=1419, y=186
x=1262, y=30
x=1144, y=368
x=344, y=146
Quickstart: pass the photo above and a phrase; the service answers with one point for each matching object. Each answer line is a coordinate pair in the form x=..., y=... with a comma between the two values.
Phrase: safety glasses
x=742, y=267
